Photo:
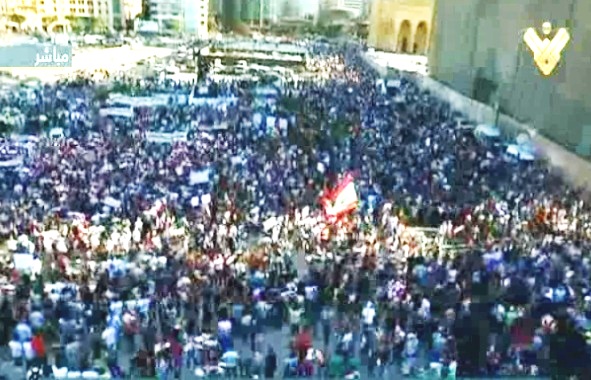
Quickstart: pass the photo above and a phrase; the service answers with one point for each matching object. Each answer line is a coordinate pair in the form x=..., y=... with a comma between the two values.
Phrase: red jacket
x=38, y=345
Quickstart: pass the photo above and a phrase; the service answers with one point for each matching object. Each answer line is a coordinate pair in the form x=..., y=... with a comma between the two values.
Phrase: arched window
x=404, y=37
x=421, y=38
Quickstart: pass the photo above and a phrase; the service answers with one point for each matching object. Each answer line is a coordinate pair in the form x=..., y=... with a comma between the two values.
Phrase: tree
x=129, y=25
x=212, y=25
x=175, y=26
x=146, y=11
x=78, y=25
x=49, y=19
x=97, y=25
x=18, y=19
x=101, y=95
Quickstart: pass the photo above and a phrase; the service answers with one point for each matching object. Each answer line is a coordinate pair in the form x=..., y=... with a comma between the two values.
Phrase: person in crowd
x=469, y=255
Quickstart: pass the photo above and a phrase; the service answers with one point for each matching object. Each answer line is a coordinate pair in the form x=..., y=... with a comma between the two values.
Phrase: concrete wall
x=386, y=20
x=576, y=169
x=477, y=48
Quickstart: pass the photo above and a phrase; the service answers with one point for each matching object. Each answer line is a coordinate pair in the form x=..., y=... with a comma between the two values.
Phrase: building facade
x=169, y=14
x=196, y=17
x=271, y=11
x=402, y=26
x=50, y=14
x=230, y=13
x=125, y=12
x=356, y=7
x=333, y=10
x=478, y=49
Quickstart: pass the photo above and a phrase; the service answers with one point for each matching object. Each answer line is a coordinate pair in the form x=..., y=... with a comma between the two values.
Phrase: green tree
x=97, y=25
x=78, y=24
x=175, y=26
x=101, y=95
x=18, y=19
x=146, y=11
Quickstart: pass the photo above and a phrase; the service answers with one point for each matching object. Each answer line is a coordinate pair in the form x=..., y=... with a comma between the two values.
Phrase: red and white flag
x=342, y=200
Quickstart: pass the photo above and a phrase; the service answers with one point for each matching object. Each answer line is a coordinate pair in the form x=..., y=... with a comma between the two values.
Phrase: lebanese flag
x=342, y=200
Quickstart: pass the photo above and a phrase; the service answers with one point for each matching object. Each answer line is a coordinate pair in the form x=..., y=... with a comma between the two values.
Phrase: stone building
x=401, y=26
x=477, y=48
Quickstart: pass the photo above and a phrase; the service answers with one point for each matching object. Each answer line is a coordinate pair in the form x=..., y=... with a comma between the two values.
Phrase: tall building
x=215, y=7
x=37, y=12
x=124, y=12
x=231, y=12
x=168, y=14
x=250, y=11
x=403, y=26
x=196, y=17
x=299, y=9
x=354, y=8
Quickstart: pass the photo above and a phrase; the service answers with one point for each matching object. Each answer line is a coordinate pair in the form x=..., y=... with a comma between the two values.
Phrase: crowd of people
x=214, y=255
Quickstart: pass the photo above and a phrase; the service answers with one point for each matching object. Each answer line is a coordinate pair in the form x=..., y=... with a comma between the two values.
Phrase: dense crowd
x=152, y=258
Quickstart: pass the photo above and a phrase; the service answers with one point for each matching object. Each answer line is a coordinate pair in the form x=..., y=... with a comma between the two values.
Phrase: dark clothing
x=270, y=365
x=568, y=355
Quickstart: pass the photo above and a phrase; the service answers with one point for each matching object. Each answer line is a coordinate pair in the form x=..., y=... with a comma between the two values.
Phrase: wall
x=196, y=16
x=576, y=169
x=477, y=48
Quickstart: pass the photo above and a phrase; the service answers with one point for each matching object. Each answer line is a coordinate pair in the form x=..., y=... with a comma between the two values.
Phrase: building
x=230, y=13
x=302, y=9
x=169, y=14
x=402, y=26
x=251, y=11
x=477, y=48
x=215, y=7
x=196, y=17
x=52, y=14
x=339, y=11
x=354, y=7
x=125, y=12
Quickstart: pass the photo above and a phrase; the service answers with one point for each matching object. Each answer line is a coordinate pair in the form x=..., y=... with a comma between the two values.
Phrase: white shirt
x=24, y=331
x=295, y=315
x=368, y=314
x=16, y=349
x=246, y=320
x=109, y=336
x=224, y=327
x=29, y=352
x=311, y=292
